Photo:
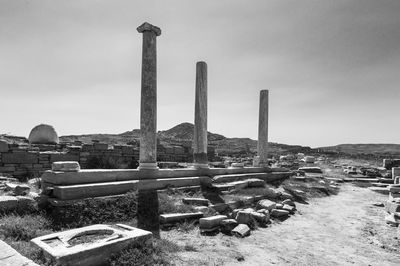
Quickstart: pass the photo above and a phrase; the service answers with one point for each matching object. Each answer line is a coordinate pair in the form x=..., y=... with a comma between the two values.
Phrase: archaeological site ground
x=186, y=196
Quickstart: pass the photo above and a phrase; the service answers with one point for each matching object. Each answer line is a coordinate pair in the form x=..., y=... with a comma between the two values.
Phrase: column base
x=148, y=166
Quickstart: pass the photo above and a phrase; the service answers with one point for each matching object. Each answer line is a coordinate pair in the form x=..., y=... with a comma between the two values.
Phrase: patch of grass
x=158, y=254
x=24, y=228
x=186, y=226
x=189, y=247
x=169, y=204
x=91, y=211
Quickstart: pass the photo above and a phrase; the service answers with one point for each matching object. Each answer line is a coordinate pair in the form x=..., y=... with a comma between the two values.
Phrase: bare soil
x=343, y=229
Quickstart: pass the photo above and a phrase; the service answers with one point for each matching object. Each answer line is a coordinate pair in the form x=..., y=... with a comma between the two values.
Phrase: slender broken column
x=147, y=206
x=148, y=105
x=262, y=145
x=200, y=118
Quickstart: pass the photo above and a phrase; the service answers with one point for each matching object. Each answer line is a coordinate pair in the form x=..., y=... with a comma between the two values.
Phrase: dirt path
x=338, y=230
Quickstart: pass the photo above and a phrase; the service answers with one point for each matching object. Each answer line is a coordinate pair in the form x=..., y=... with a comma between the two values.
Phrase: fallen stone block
x=211, y=223
x=8, y=203
x=25, y=202
x=259, y=217
x=255, y=182
x=66, y=166
x=242, y=230
x=266, y=204
x=378, y=204
x=289, y=202
x=228, y=225
x=235, y=204
x=244, y=217
x=391, y=220
x=220, y=207
x=279, y=206
x=170, y=218
x=392, y=206
x=285, y=196
x=196, y=201
x=18, y=189
x=288, y=208
x=235, y=212
x=90, y=245
x=248, y=200
x=279, y=213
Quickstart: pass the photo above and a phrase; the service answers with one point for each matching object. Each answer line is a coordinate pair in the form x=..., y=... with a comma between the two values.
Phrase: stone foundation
x=26, y=161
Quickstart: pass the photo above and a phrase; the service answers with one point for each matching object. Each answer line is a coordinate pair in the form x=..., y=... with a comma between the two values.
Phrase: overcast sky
x=332, y=67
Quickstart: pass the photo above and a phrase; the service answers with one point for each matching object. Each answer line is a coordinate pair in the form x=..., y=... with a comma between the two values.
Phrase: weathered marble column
x=147, y=202
x=262, y=145
x=148, y=105
x=200, y=159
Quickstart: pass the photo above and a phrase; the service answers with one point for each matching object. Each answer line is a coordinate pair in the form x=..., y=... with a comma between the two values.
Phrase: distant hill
x=184, y=131
x=182, y=134
x=353, y=149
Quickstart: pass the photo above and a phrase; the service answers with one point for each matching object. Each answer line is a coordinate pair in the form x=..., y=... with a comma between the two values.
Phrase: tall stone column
x=200, y=118
x=147, y=201
x=262, y=145
x=148, y=105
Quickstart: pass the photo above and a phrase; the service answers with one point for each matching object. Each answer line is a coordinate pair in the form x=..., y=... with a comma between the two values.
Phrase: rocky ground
x=343, y=229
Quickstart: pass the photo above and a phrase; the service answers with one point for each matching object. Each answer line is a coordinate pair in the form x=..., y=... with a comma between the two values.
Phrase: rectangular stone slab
x=120, y=187
x=110, y=175
x=94, y=190
x=59, y=248
x=211, y=222
x=177, y=217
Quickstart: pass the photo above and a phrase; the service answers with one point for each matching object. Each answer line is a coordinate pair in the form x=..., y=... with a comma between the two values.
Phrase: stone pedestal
x=200, y=118
x=262, y=145
x=147, y=211
x=148, y=105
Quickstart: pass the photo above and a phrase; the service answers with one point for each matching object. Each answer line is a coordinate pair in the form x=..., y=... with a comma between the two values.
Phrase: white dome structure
x=43, y=134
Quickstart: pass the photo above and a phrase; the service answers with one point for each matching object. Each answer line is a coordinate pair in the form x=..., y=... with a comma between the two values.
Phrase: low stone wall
x=26, y=161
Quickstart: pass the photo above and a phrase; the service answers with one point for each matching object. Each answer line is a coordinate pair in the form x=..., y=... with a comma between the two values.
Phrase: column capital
x=148, y=27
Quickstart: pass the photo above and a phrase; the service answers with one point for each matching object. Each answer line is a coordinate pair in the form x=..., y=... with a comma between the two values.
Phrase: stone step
x=120, y=187
x=267, y=177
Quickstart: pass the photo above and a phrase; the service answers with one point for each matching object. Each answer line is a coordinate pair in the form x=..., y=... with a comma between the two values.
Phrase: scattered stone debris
x=378, y=204
x=228, y=225
x=242, y=230
x=212, y=223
